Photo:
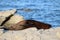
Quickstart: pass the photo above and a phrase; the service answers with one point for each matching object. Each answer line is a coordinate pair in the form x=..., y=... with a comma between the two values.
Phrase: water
x=47, y=11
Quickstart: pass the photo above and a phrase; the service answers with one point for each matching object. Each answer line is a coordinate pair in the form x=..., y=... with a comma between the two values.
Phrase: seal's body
x=37, y=24
x=29, y=23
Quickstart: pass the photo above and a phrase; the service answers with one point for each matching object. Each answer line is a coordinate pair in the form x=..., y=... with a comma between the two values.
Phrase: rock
x=2, y=19
x=1, y=31
x=26, y=34
x=12, y=21
x=50, y=34
x=5, y=14
x=31, y=34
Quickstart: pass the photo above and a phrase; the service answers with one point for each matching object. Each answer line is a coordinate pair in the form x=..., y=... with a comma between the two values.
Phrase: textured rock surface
x=5, y=14
x=31, y=34
x=13, y=20
x=2, y=19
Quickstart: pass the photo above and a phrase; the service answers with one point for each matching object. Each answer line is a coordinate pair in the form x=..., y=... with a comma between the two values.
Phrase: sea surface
x=47, y=11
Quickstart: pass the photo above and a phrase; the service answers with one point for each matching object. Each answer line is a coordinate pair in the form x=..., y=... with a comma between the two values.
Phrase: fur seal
x=29, y=23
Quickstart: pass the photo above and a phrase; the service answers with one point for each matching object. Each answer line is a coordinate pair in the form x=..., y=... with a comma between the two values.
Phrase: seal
x=28, y=24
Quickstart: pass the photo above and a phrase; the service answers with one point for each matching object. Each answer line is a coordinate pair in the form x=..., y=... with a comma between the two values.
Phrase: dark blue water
x=47, y=11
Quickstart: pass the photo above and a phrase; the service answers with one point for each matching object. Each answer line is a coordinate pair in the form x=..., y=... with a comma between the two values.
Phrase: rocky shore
x=30, y=34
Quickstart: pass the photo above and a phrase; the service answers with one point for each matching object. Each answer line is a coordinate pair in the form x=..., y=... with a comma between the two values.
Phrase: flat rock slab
x=31, y=34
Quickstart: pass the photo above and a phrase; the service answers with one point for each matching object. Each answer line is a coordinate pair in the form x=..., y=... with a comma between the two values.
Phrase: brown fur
x=37, y=24
x=30, y=23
